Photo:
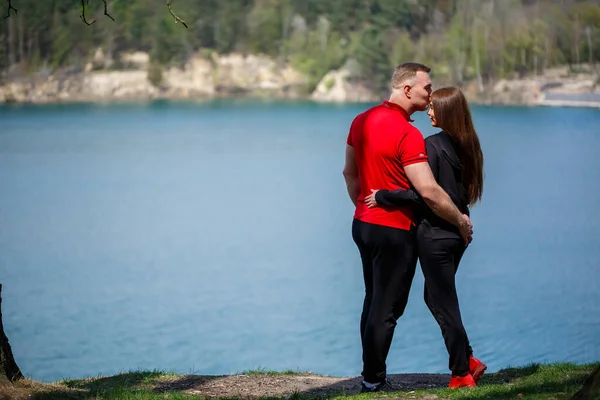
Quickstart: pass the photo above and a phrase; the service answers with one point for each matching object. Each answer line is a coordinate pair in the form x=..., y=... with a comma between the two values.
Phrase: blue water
x=215, y=238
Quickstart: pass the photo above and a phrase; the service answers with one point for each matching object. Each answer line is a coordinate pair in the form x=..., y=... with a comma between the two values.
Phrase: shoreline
x=267, y=99
x=569, y=103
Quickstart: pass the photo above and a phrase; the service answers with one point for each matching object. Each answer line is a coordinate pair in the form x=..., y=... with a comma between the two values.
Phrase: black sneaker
x=385, y=386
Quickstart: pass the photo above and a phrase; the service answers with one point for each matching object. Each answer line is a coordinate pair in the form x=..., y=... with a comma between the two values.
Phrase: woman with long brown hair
x=456, y=160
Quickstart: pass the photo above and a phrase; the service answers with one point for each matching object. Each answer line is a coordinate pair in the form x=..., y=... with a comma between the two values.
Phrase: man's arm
x=420, y=176
x=351, y=174
x=400, y=197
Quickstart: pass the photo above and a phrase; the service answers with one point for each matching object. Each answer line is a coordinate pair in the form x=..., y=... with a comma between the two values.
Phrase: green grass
x=264, y=371
x=534, y=381
x=124, y=380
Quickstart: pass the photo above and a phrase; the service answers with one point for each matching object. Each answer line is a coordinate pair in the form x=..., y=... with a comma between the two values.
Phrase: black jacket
x=442, y=153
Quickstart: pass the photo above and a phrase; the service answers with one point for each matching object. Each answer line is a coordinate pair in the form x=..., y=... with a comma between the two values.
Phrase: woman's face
x=431, y=114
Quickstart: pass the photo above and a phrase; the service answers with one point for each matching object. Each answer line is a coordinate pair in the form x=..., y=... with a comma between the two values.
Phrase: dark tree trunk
x=8, y=367
x=591, y=387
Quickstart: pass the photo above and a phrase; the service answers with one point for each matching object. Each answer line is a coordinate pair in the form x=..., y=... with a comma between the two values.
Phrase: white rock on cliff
x=117, y=84
x=339, y=86
x=236, y=72
x=195, y=79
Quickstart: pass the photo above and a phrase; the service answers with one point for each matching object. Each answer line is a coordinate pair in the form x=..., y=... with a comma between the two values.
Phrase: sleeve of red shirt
x=349, y=141
x=355, y=127
x=412, y=148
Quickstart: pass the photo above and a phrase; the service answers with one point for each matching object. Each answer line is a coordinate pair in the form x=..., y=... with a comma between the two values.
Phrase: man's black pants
x=389, y=260
x=439, y=256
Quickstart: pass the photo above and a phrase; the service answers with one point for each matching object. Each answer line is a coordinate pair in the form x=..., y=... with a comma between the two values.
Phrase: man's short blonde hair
x=406, y=72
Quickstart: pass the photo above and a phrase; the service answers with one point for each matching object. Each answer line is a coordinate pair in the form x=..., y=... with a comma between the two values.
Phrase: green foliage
x=168, y=46
x=329, y=83
x=461, y=40
x=155, y=74
x=3, y=55
x=264, y=27
x=374, y=60
x=315, y=52
x=403, y=48
x=61, y=45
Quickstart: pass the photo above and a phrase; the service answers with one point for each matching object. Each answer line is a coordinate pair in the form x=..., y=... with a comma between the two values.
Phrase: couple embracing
x=412, y=199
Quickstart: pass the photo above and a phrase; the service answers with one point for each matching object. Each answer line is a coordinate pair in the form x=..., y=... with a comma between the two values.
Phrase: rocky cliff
x=202, y=76
x=555, y=87
x=343, y=85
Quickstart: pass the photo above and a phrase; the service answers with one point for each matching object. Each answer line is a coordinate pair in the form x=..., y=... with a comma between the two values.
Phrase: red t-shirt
x=384, y=143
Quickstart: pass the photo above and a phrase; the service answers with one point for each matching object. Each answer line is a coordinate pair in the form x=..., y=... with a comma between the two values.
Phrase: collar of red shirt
x=396, y=107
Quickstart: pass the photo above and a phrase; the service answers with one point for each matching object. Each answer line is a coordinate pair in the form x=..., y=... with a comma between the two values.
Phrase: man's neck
x=403, y=102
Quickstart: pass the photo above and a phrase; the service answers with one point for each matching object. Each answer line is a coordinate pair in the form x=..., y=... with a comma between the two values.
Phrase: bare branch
x=10, y=7
x=106, y=10
x=177, y=19
x=82, y=16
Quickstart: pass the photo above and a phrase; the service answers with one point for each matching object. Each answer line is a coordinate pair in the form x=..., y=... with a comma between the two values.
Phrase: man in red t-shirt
x=384, y=150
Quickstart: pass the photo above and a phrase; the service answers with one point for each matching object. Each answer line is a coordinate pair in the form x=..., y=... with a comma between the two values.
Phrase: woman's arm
x=397, y=198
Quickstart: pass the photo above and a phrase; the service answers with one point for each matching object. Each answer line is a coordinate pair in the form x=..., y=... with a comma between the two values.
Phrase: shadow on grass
x=127, y=380
x=519, y=372
x=507, y=375
x=184, y=383
x=93, y=387
x=59, y=395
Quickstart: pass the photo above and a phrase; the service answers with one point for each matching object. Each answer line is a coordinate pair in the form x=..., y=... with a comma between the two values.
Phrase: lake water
x=214, y=238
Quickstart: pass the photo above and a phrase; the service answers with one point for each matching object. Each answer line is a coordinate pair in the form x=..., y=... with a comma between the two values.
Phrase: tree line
x=462, y=40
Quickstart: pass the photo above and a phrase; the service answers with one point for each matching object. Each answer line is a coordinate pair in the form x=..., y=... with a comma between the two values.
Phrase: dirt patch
x=251, y=386
x=271, y=385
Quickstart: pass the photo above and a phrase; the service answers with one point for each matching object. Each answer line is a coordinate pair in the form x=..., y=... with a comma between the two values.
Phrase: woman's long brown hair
x=452, y=114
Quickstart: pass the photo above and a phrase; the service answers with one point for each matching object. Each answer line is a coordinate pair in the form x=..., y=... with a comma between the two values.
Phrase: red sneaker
x=461, y=381
x=476, y=368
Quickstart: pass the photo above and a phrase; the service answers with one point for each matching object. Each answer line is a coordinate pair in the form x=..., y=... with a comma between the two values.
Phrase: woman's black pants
x=439, y=256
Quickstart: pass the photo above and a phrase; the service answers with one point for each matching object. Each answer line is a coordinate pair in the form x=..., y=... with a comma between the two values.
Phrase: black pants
x=439, y=255
x=389, y=260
